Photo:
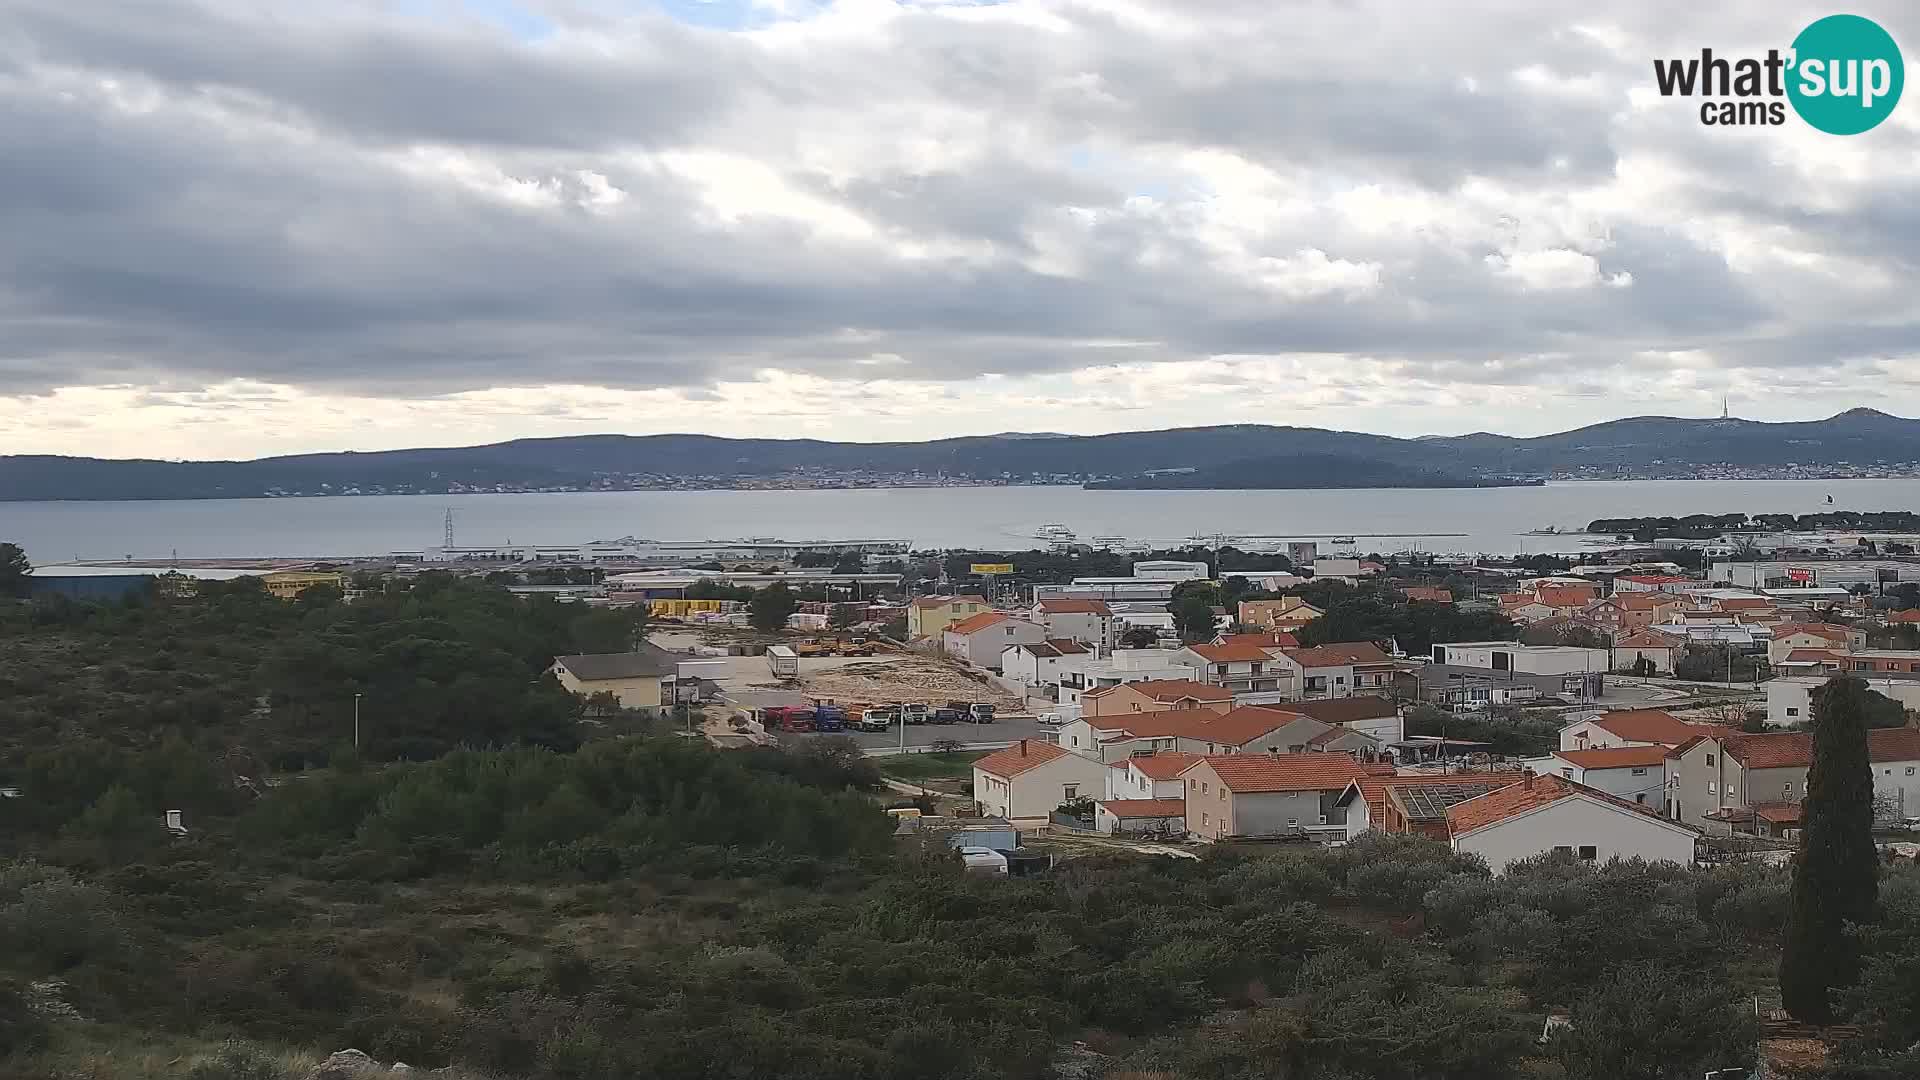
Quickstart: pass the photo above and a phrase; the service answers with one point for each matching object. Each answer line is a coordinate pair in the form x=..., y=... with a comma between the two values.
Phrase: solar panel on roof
x=1429, y=802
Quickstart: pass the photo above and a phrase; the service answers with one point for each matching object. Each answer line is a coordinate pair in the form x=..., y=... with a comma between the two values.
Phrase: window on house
x=1070, y=792
x=1640, y=797
x=1787, y=788
x=1203, y=820
x=1709, y=761
x=1293, y=823
x=1639, y=772
x=1909, y=770
x=1568, y=773
x=1713, y=788
x=1205, y=789
x=1589, y=852
x=1791, y=711
x=1562, y=849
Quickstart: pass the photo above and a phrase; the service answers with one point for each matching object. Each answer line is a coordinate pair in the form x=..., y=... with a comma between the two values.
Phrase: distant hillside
x=1301, y=471
x=1859, y=436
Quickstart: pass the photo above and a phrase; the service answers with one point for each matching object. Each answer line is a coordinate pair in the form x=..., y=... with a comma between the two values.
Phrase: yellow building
x=287, y=584
x=929, y=616
x=637, y=679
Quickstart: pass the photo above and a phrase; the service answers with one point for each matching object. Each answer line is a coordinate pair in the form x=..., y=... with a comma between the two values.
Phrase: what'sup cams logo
x=1843, y=75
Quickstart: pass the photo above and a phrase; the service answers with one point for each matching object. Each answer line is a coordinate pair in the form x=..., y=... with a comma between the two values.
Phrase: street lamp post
x=356, y=721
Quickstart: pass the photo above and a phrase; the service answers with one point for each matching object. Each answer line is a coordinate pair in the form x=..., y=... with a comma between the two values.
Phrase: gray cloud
x=337, y=197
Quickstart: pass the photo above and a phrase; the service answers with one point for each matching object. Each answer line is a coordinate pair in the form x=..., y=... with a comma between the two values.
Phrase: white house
x=1790, y=697
x=1124, y=666
x=1169, y=570
x=1551, y=813
x=1346, y=570
x=1522, y=659
x=1145, y=816
x=1150, y=776
x=1042, y=663
x=1637, y=774
x=1030, y=779
x=1338, y=670
x=1790, y=636
x=1089, y=622
x=1379, y=718
x=1248, y=730
x=982, y=639
x=1628, y=727
x=1241, y=668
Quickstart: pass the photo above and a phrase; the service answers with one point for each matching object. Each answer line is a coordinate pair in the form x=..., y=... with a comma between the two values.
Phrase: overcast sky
x=244, y=227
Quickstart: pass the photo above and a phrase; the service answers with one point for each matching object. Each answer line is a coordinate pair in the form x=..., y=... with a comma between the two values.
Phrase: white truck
x=783, y=662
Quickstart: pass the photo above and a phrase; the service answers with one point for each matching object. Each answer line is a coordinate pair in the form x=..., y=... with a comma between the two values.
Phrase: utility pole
x=356, y=721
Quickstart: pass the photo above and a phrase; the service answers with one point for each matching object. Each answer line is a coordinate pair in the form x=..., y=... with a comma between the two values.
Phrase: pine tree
x=1836, y=872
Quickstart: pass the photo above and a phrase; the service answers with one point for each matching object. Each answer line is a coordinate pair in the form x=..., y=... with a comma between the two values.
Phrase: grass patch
x=915, y=768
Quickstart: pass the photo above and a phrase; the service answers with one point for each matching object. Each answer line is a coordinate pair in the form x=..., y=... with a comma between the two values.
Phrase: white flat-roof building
x=1522, y=659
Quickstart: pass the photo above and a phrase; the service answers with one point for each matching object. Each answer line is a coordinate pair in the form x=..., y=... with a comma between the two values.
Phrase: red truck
x=795, y=718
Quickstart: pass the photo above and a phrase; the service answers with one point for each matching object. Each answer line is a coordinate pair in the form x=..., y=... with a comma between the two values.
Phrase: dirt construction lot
x=887, y=679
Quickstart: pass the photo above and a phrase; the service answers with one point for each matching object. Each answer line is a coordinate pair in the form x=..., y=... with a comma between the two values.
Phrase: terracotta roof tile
x=1339, y=654
x=1166, y=765
x=1911, y=615
x=1794, y=749
x=977, y=622
x=1168, y=723
x=1650, y=726
x=1434, y=596
x=1055, y=647
x=1810, y=656
x=1615, y=757
x=1175, y=689
x=1531, y=794
x=1025, y=755
x=1145, y=808
x=1648, y=639
x=1373, y=786
x=1566, y=595
x=1344, y=710
x=1822, y=630
x=1258, y=773
x=1075, y=607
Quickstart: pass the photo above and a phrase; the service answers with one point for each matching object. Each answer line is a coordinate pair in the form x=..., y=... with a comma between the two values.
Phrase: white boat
x=1056, y=533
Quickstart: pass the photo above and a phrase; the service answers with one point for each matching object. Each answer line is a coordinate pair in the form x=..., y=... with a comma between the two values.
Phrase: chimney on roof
x=174, y=824
x=1023, y=748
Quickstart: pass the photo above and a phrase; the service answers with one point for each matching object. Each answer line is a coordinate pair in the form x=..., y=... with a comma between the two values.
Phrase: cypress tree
x=1836, y=871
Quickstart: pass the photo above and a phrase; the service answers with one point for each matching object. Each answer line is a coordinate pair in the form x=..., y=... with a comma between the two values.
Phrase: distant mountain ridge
x=1858, y=436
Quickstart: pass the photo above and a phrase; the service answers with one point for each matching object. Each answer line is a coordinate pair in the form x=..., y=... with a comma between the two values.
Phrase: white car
x=1051, y=719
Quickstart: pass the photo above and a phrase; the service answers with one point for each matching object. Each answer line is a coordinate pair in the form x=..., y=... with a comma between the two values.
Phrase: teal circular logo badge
x=1847, y=74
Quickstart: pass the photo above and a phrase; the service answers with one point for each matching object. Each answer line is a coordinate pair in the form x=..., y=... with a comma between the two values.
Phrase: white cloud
x=236, y=226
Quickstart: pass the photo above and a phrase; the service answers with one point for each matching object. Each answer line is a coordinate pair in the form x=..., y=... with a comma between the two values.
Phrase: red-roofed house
x=1790, y=636
x=929, y=616
x=1715, y=772
x=1653, y=646
x=1414, y=802
x=1155, y=695
x=1242, y=668
x=1866, y=661
x=1648, y=583
x=981, y=639
x=1637, y=774
x=1342, y=669
x=1268, y=795
x=1089, y=622
x=1285, y=613
x=1629, y=727
x=1552, y=813
x=1149, y=776
x=1425, y=594
x=1269, y=639
x=1247, y=730
x=1031, y=778
x=1040, y=663
x=1902, y=618
x=1152, y=817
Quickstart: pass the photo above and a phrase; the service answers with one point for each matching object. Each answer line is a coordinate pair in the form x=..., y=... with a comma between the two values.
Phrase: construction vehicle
x=812, y=647
x=783, y=662
x=857, y=646
x=976, y=712
x=793, y=718
x=914, y=713
x=946, y=716
x=876, y=719
x=829, y=718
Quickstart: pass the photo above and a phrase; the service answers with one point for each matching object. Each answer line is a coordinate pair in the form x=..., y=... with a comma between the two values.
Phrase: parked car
x=1051, y=719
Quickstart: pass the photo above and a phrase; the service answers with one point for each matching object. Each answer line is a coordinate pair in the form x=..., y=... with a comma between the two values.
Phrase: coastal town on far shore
x=1296, y=691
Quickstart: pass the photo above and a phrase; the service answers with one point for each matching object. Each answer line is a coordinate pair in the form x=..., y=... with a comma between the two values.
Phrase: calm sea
x=1492, y=520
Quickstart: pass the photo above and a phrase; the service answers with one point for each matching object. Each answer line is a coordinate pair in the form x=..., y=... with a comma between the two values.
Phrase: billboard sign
x=1799, y=574
x=983, y=568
